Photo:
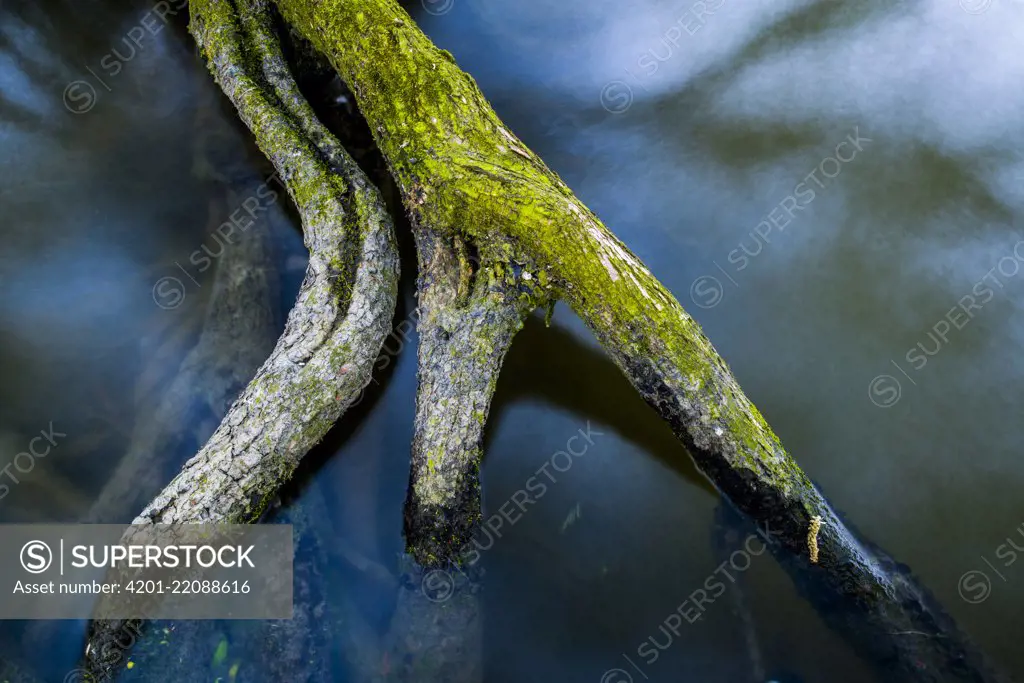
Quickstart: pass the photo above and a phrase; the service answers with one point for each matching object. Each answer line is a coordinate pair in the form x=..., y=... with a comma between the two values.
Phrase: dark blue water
x=832, y=189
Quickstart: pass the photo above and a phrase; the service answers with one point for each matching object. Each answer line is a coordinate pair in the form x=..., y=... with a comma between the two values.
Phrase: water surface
x=684, y=130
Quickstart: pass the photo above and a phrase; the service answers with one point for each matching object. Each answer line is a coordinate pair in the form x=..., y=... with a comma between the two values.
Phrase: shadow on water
x=553, y=366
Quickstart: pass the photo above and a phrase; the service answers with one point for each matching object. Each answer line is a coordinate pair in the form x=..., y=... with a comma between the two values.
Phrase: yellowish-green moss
x=461, y=170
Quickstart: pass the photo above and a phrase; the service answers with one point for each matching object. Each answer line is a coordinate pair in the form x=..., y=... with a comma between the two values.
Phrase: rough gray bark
x=333, y=334
x=467, y=321
x=335, y=330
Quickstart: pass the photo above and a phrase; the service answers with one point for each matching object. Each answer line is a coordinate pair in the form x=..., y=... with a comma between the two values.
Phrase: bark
x=463, y=173
x=343, y=311
x=465, y=177
x=467, y=321
x=323, y=359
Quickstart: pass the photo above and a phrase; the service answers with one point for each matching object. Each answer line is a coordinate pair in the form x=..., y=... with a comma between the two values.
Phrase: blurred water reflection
x=684, y=126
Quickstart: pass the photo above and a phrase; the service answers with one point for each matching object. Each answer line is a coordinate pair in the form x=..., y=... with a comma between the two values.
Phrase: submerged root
x=468, y=316
x=467, y=319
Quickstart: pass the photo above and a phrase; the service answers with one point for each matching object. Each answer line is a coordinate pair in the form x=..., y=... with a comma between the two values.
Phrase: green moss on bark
x=464, y=174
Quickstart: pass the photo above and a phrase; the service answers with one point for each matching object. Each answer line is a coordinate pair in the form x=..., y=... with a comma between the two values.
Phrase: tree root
x=342, y=314
x=466, y=324
x=466, y=178
x=323, y=359
x=461, y=171
x=468, y=315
